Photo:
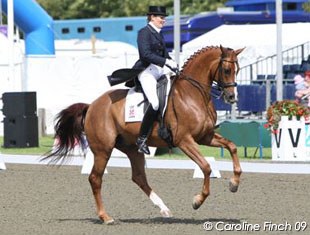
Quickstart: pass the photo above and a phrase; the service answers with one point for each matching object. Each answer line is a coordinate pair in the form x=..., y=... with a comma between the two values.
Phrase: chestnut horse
x=190, y=116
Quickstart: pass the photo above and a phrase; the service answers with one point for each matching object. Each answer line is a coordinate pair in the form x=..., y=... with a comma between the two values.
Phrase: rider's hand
x=171, y=64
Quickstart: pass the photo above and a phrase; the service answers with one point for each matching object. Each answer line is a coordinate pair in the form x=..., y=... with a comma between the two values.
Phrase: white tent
x=10, y=84
x=4, y=44
x=76, y=47
x=259, y=40
x=73, y=75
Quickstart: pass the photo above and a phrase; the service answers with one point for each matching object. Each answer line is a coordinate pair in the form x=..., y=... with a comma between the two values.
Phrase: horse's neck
x=200, y=68
x=192, y=90
x=188, y=104
x=197, y=77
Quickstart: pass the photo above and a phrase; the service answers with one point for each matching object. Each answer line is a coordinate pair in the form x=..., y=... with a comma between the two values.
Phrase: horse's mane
x=199, y=52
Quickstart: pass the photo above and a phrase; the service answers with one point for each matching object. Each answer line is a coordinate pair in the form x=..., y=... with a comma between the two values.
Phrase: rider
x=154, y=60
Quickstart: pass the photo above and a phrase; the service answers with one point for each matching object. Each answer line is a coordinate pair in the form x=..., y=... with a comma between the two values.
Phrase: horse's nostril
x=232, y=97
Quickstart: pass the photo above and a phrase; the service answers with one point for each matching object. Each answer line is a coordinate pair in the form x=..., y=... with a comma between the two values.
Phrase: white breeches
x=148, y=79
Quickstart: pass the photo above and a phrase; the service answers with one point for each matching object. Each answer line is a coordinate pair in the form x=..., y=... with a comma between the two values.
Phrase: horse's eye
x=227, y=71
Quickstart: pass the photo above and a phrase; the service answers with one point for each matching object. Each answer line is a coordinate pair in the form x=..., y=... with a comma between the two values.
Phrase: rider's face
x=158, y=20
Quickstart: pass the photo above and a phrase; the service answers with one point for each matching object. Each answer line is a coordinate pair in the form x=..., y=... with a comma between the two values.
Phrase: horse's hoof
x=106, y=219
x=196, y=203
x=233, y=187
x=109, y=221
x=166, y=213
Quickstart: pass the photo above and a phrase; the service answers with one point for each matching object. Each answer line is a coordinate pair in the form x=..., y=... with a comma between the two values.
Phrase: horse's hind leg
x=137, y=161
x=95, y=180
x=219, y=141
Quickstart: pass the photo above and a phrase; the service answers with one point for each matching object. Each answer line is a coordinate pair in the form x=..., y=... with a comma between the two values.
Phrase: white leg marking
x=164, y=210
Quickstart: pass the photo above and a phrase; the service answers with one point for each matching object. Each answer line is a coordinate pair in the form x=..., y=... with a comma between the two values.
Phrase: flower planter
x=289, y=141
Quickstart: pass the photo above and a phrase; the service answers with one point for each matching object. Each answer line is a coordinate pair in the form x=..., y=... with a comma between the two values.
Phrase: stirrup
x=142, y=147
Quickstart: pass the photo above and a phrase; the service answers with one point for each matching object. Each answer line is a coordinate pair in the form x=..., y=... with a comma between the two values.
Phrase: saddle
x=130, y=77
x=163, y=90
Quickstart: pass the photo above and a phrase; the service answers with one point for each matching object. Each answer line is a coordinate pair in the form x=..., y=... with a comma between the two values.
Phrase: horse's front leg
x=95, y=180
x=220, y=141
x=191, y=149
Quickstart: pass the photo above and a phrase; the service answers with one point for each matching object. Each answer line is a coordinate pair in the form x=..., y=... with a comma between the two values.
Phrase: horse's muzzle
x=230, y=98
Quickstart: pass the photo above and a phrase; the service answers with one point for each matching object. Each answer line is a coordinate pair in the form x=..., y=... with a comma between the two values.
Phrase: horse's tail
x=69, y=132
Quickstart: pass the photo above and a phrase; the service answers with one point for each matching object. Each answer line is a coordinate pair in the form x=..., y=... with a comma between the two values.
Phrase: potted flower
x=289, y=108
x=286, y=120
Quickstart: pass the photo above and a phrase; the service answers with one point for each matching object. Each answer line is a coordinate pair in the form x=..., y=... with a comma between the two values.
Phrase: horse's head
x=225, y=73
x=213, y=65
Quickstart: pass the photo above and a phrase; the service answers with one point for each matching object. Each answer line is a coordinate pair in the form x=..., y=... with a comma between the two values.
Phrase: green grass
x=216, y=153
x=46, y=143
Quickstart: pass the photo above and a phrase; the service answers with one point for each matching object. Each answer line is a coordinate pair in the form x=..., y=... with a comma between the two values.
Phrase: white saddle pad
x=133, y=112
x=134, y=106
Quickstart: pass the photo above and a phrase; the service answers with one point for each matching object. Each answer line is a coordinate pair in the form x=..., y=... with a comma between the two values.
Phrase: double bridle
x=218, y=86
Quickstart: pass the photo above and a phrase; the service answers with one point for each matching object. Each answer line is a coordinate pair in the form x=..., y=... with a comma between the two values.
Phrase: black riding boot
x=145, y=129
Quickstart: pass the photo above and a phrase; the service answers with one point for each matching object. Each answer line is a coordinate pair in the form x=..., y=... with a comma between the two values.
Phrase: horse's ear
x=222, y=48
x=239, y=51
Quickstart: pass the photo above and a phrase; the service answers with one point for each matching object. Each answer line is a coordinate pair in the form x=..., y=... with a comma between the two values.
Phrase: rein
x=219, y=85
x=203, y=88
x=199, y=86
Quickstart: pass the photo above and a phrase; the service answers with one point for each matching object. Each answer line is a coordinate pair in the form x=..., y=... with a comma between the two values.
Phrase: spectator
x=302, y=86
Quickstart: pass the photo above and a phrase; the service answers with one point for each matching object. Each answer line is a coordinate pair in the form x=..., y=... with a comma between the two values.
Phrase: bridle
x=219, y=86
x=204, y=89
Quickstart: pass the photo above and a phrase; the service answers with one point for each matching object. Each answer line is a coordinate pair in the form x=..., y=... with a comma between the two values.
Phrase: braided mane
x=197, y=53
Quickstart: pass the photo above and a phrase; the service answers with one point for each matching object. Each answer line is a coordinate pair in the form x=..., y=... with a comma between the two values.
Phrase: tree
x=77, y=9
x=197, y=6
x=306, y=6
